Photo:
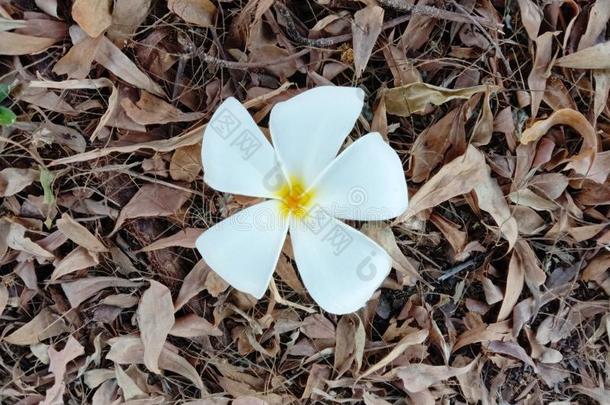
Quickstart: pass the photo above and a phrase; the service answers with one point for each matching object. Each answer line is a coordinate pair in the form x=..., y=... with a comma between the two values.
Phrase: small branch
x=247, y=65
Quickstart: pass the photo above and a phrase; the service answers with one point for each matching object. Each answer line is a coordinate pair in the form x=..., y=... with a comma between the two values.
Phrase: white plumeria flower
x=308, y=189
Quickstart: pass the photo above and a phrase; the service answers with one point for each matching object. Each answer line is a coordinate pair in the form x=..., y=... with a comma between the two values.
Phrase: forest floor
x=499, y=291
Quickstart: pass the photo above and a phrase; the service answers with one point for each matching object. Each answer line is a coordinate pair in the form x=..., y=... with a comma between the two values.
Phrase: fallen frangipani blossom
x=309, y=189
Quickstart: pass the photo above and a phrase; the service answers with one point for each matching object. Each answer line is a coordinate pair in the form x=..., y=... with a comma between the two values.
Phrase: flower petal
x=366, y=182
x=236, y=156
x=244, y=248
x=339, y=265
x=309, y=129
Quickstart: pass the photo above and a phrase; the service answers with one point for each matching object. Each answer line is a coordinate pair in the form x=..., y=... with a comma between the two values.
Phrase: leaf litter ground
x=499, y=289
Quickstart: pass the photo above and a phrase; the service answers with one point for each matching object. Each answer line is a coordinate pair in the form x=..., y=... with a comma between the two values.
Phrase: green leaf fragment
x=7, y=117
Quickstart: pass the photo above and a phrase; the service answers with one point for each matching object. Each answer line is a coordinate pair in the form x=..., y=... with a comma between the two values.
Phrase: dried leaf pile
x=499, y=290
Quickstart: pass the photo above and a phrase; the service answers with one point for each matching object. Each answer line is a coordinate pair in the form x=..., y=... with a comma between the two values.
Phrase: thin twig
x=433, y=12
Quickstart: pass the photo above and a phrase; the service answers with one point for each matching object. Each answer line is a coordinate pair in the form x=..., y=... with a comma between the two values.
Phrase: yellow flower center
x=294, y=198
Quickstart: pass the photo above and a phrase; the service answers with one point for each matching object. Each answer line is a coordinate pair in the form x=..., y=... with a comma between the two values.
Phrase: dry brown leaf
x=185, y=238
x=410, y=339
x=383, y=235
x=79, y=234
x=598, y=19
x=13, y=180
x=430, y=146
x=129, y=388
x=58, y=366
x=531, y=17
x=48, y=6
x=365, y=28
x=191, y=137
x=152, y=110
x=349, y=344
x=3, y=297
x=540, y=71
x=511, y=349
x=127, y=15
x=198, y=12
x=18, y=44
x=193, y=284
x=78, y=259
x=87, y=84
x=93, y=16
x=317, y=326
x=43, y=326
x=413, y=98
x=602, y=86
x=593, y=57
x=457, y=177
x=600, y=394
x=186, y=163
x=514, y=285
x=582, y=162
x=81, y=290
x=152, y=200
x=76, y=63
x=130, y=350
x=111, y=57
x=155, y=317
x=483, y=129
x=483, y=334
x=491, y=199
x=418, y=377
x=13, y=236
x=191, y=325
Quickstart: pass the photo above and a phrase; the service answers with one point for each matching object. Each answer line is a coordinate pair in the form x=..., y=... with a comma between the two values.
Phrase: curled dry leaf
x=79, y=234
x=582, y=162
x=365, y=28
x=93, y=16
x=155, y=317
x=13, y=180
x=58, y=365
x=152, y=110
x=130, y=350
x=152, y=200
x=198, y=12
x=19, y=44
x=413, y=98
x=43, y=326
